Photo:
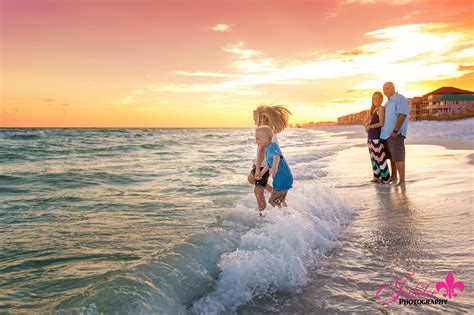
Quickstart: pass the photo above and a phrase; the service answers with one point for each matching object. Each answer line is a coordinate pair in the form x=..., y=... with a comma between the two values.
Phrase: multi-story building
x=416, y=107
x=452, y=105
x=354, y=119
x=427, y=109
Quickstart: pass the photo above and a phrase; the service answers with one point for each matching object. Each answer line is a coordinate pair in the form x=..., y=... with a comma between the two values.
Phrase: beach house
x=452, y=105
x=444, y=103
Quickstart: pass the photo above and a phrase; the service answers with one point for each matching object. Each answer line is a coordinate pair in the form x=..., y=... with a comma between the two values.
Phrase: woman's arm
x=366, y=124
x=381, y=114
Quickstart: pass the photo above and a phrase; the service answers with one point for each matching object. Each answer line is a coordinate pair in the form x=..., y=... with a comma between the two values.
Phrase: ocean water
x=136, y=220
x=154, y=221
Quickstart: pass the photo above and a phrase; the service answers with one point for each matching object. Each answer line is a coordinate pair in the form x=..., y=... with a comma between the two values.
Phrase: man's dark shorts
x=261, y=182
x=395, y=148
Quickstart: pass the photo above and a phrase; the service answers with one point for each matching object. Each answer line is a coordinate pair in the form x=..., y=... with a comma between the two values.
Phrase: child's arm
x=264, y=169
x=276, y=161
x=260, y=156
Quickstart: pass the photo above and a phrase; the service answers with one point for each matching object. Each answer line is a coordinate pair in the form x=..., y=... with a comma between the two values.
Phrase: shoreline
x=447, y=144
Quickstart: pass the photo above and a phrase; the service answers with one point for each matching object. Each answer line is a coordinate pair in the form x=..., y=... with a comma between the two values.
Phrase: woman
x=381, y=173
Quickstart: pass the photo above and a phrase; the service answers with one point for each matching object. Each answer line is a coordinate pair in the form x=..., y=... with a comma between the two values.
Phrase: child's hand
x=258, y=176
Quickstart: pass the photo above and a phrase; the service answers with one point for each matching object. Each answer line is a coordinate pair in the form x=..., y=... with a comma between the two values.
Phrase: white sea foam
x=445, y=130
x=21, y=133
x=276, y=254
x=458, y=130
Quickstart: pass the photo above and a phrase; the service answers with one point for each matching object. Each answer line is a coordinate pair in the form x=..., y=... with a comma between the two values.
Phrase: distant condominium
x=354, y=119
x=443, y=103
x=314, y=124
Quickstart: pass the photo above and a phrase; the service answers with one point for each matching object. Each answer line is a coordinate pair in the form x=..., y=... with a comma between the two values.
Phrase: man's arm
x=402, y=114
x=398, y=125
x=400, y=120
x=276, y=161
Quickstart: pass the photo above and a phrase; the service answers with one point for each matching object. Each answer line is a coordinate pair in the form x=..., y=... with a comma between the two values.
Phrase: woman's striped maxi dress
x=377, y=151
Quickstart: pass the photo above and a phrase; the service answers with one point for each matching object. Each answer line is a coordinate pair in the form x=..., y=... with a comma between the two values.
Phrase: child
x=279, y=169
x=277, y=118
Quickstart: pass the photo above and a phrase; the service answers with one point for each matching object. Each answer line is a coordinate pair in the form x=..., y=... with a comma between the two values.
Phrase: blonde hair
x=266, y=131
x=372, y=107
x=274, y=116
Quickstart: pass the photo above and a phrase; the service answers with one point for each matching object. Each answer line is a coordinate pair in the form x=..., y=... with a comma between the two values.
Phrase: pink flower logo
x=450, y=285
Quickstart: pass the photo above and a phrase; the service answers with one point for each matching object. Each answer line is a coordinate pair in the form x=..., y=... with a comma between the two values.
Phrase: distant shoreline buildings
x=314, y=124
x=446, y=103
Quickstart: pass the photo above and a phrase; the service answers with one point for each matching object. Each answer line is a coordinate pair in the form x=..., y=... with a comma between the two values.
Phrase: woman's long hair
x=274, y=116
x=372, y=108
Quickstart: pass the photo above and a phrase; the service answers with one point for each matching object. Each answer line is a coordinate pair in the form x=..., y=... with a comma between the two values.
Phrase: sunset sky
x=193, y=63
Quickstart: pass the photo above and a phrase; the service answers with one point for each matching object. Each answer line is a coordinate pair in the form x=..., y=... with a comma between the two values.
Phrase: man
x=394, y=130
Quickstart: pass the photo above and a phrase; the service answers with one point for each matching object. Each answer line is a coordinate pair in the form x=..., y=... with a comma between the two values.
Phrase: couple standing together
x=386, y=132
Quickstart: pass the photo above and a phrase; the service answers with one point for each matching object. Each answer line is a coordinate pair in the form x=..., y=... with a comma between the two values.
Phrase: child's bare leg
x=269, y=188
x=259, y=194
x=274, y=199
x=251, y=179
x=283, y=200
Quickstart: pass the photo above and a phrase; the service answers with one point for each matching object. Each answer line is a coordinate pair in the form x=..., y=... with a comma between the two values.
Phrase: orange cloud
x=220, y=27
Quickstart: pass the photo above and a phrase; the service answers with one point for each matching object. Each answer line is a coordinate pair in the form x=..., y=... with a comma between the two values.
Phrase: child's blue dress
x=283, y=179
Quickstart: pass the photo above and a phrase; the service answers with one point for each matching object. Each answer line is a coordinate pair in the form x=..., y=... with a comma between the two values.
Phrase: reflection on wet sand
x=395, y=231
